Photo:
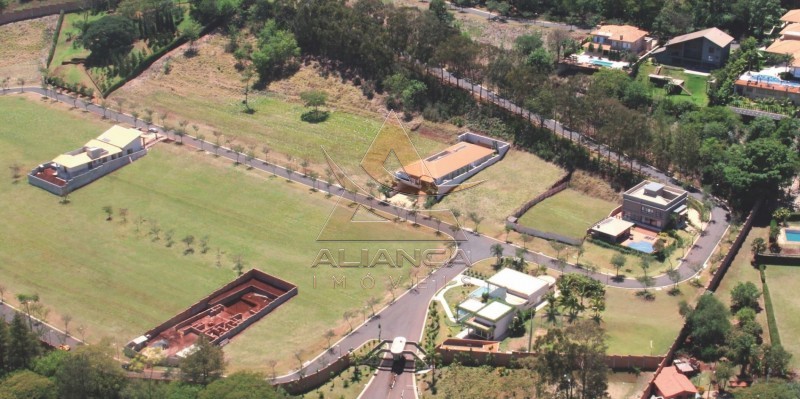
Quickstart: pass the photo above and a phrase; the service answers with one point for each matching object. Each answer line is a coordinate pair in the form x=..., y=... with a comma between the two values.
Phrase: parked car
x=152, y=130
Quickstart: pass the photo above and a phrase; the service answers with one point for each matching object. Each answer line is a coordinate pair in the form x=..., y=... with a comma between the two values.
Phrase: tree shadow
x=315, y=116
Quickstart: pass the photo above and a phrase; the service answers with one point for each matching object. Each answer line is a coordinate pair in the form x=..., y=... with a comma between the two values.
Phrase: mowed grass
x=783, y=281
x=23, y=49
x=508, y=184
x=639, y=327
x=119, y=283
x=569, y=213
x=742, y=271
x=696, y=84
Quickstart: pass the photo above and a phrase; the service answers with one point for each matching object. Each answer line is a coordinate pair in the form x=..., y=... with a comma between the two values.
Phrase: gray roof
x=714, y=35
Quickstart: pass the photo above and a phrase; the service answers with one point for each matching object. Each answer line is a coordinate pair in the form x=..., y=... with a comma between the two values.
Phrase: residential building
x=612, y=229
x=654, y=205
x=705, y=49
x=758, y=86
x=506, y=292
x=621, y=38
x=791, y=16
x=442, y=172
x=521, y=289
x=486, y=320
x=790, y=49
x=671, y=384
x=116, y=147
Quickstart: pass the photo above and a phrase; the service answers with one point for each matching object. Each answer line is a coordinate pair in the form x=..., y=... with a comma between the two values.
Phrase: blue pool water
x=479, y=292
x=775, y=80
x=603, y=63
x=641, y=246
x=793, y=235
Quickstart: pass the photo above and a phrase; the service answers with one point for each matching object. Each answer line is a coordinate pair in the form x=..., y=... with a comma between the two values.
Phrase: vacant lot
x=23, y=49
x=568, y=213
x=519, y=177
x=694, y=83
x=206, y=91
x=783, y=281
x=118, y=281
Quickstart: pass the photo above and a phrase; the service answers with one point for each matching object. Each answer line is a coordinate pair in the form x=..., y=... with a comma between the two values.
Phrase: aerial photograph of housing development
x=399, y=199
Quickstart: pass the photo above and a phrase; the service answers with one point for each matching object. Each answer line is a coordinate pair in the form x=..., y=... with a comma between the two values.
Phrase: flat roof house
x=116, y=147
x=488, y=321
x=508, y=291
x=623, y=38
x=705, y=49
x=443, y=171
x=611, y=229
x=671, y=384
x=652, y=205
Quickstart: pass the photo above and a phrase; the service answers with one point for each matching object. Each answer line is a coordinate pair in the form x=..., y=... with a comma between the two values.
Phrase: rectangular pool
x=643, y=246
x=792, y=235
x=607, y=64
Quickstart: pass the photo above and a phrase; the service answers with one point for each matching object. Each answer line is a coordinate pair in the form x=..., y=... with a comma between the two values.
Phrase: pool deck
x=785, y=243
x=640, y=234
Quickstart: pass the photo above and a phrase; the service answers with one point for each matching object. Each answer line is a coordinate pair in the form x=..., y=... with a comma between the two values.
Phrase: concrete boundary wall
x=85, y=178
x=41, y=11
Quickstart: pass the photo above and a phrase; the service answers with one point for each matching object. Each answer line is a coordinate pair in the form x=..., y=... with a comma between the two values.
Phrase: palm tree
x=475, y=219
x=238, y=148
x=26, y=301
x=21, y=83
x=371, y=302
x=526, y=238
x=508, y=229
x=104, y=106
x=497, y=251
x=758, y=246
x=265, y=150
x=348, y=314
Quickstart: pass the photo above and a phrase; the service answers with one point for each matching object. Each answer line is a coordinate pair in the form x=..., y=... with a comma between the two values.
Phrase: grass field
x=783, y=281
x=568, y=213
x=23, y=49
x=694, y=83
x=118, y=282
x=519, y=177
x=742, y=271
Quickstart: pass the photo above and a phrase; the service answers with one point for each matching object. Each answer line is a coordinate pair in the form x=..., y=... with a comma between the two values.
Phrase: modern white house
x=507, y=292
x=116, y=147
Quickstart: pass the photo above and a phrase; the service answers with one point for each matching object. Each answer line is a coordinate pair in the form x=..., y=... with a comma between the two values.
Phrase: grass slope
x=519, y=177
x=117, y=282
x=568, y=213
x=23, y=49
x=783, y=282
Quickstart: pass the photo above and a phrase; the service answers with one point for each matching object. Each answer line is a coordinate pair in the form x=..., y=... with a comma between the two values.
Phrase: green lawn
x=742, y=271
x=783, y=281
x=117, y=282
x=569, y=213
x=694, y=83
x=639, y=327
x=508, y=184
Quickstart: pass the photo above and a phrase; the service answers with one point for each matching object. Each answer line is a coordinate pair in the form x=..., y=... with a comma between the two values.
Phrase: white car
x=152, y=130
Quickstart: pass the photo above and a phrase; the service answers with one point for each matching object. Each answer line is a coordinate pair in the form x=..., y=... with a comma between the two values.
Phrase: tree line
x=29, y=370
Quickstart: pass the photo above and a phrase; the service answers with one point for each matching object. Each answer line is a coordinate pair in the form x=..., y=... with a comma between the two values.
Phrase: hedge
x=772, y=324
x=55, y=38
x=149, y=60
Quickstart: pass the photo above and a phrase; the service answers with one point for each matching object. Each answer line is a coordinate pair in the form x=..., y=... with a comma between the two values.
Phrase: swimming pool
x=479, y=292
x=607, y=64
x=792, y=235
x=775, y=80
x=646, y=247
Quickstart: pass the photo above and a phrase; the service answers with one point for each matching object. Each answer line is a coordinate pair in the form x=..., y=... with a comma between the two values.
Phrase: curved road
x=406, y=316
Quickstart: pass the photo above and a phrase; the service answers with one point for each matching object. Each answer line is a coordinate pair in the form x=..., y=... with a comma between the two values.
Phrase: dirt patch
x=24, y=47
x=594, y=187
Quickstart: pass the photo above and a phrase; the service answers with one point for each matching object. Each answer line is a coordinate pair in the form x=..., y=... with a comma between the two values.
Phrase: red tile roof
x=670, y=383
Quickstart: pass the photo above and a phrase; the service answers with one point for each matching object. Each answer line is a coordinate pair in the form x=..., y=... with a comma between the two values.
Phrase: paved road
x=406, y=316
x=46, y=332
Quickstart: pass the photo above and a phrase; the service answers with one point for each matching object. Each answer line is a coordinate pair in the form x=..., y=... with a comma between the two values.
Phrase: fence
x=317, y=379
x=41, y=11
x=711, y=287
x=556, y=188
x=479, y=356
x=85, y=178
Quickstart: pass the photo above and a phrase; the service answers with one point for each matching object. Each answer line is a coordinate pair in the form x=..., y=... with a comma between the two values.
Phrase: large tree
x=26, y=384
x=23, y=346
x=205, y=364
x=759, y=168
x=745, y=295
x=571, y=361
x=242, y=385
x=277, y=50
x=90, y=372
x=708, y=326
x=112, y=34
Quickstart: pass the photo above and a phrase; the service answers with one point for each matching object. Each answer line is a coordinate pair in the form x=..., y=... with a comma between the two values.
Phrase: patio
x=641, y=239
